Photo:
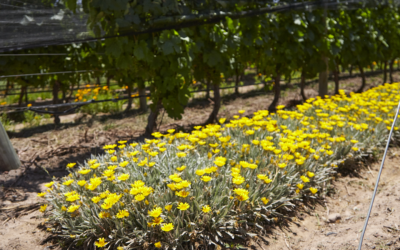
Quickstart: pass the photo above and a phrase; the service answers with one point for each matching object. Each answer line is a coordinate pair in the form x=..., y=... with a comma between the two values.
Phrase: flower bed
x=219, y=182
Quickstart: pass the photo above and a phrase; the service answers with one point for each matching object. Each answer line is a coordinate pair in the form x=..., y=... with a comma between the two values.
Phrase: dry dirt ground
x=45, y=151
x=311, y=228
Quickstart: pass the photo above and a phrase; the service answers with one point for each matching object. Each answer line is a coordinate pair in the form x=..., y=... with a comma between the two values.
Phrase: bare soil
x=45, y=151
x=311, y=229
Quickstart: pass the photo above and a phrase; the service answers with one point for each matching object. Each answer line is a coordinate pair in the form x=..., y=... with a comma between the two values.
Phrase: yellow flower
x=304, y=179
x=181, y=168
x=265, y=200
x=122, y=214
x=111, y=151
x=41, y=194
x=175, y=178
x=242, y=197
x=123, y=177
x=94, y=166
x=171, y=131
x=300, y=185
x=181, y=154
x=96, y=199
x=103, y=215
x=114, y=158
x=68, y=182
x=133, y=153
x=241, y=111
x=120, y=248
x=139, y=197
x=316, y=157
x=108, y=173
x=168, y=207
x=249, y=132
x=91, y=162
x=282, y=165
x=72, y=198
x=157, y=221
x=84, y=171
x=353, y=141
x=183, y=206
x=48, y=185
x=313, y=190
x=71, y=165
x=354, y=148
x=101, y=242
x=200, y=172
x=106, y=205
x=63, y=208
x=222, y=120
x=73, y=208
x=310, y=174
x=158, y=244
x=206, y=209
x=167, y=227
x=82, y=183
x=182, y=193
x=124, y=163
x=238, y=180
x=206, y=178
x=155, y=212
x=261, y=176
x=43, y=208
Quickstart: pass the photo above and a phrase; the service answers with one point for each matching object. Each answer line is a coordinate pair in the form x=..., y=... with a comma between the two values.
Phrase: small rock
x=330, y=233
x=334, y=217
x=389, y=243
x=356, y=209
x=348, y=218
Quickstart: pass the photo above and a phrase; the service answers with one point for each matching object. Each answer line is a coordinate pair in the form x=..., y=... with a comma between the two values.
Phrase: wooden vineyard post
x=8, y=157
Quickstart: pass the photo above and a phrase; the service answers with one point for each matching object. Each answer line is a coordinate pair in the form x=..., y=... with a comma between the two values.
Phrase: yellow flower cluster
x=179, y=183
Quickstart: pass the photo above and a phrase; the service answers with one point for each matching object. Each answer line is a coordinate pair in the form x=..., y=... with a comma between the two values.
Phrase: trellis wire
x=201, y=19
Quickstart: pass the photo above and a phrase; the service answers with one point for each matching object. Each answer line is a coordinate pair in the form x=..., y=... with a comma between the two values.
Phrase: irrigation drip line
x=49, y=91
x=379, y=176
x=201, y=19
x=56, y=113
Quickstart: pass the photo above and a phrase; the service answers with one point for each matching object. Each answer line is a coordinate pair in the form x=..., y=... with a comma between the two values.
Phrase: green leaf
x=229, y=22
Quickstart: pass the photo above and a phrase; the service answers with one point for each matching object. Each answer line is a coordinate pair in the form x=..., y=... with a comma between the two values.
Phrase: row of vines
x=168, y=61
